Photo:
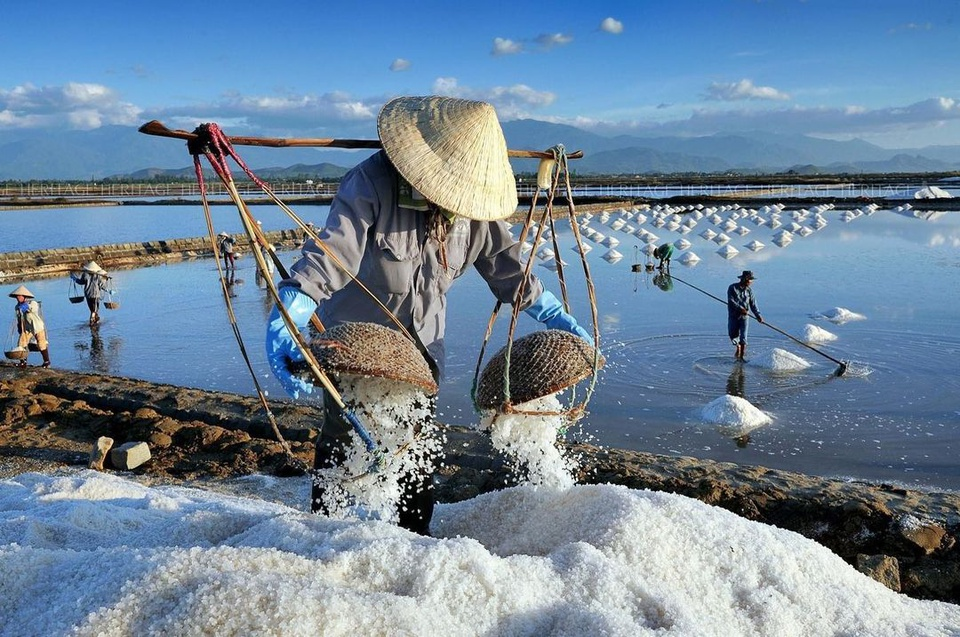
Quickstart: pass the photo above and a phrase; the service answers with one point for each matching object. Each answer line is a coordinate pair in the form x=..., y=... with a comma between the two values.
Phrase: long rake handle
x=843, y=366
x=155, y=127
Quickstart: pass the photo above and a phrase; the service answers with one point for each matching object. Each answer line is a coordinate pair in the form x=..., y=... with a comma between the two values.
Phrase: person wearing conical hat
x=93, y=278
x=407, y=222
x=740, y=302
x=30, y=325
x=225, y=244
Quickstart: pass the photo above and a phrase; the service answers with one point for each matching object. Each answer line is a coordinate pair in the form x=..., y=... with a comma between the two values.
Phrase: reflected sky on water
x=894, y=416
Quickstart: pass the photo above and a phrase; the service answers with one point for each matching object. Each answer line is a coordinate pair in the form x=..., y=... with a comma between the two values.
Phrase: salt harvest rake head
x=373, y=351
x=540, y=364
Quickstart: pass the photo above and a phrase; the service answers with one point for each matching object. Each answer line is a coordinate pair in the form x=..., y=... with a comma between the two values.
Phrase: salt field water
x=894, y=416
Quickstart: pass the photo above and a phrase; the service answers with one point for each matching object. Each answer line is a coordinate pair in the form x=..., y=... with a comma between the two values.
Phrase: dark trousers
x=415, y=508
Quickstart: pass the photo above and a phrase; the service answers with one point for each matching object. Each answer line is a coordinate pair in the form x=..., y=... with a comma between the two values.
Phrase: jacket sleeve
x=498, y=262
x=753, y=303
x=352, y=213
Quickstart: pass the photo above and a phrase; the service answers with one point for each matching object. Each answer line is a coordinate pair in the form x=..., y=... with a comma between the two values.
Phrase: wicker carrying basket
x=76, y=299
x=16, y=354
x=541, y=363
x=371, y=350
x=111, y=305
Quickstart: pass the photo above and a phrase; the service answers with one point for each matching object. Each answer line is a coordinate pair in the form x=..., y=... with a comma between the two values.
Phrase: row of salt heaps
x=723, y=225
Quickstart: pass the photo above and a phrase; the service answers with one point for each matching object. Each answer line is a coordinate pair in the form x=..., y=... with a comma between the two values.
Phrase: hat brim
x=21, y=291
x=452, y=151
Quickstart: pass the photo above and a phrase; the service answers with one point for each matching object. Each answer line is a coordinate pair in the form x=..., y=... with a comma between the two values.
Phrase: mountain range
x=121, y=151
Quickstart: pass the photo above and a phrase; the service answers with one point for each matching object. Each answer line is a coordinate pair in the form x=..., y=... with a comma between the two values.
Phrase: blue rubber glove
x=281, y=348
x=548, y=310
x=24, y=307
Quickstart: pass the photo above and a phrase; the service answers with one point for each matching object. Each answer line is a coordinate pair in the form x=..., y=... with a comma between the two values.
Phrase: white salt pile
x=779, y=360
x=96, y=554
x=838, y=315
x=736, y=415
x=529, y=441
x=814, y=334
x=388, y=410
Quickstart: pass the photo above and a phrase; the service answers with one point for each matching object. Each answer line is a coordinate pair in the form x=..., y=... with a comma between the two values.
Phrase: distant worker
x=664, y=253
x=225, y=245
x=30, y=325
x=740, y=302
x=94, y=281
x=265, y=249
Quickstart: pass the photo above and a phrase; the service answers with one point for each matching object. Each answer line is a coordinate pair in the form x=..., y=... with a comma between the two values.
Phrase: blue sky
x=881, y=70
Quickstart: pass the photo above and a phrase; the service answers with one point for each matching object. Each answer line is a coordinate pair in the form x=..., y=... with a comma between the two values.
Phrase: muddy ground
x=51, y=419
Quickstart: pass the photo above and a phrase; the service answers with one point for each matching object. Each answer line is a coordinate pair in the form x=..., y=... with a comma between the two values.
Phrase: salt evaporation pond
x=666, y=346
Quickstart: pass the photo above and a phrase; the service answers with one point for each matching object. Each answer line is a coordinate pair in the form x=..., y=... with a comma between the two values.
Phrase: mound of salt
x=779, y=360
x=814, y=334
x=734, y=412
x=839, y=315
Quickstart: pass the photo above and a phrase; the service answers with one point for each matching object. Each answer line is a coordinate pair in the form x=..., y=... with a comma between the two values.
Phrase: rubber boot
x=46, y=357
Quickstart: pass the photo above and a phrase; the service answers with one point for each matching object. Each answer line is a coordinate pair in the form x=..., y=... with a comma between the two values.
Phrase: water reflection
x=93, y=355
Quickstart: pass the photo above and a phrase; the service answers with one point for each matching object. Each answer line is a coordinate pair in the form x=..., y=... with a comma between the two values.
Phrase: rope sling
x=552, y=169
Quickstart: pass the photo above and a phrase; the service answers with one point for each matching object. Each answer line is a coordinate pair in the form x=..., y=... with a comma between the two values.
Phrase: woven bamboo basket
x=370, y=350
x=541, y=363
x=16, y=354
x=76, y=299
x=111, y=305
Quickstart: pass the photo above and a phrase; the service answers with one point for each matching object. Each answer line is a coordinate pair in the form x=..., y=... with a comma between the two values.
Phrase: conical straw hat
x=21, y=291
x=93, y=267
x=370, y=350
x=453, y=152
x=541, y=363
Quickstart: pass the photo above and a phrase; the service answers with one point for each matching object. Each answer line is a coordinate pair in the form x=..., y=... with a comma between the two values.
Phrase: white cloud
x=334, y=114
x=912, y=26
x=838, y=122
x=512, y=102
x=400, y=64
x=610, y=25
x=503, y=46
x=550, y=40
x=743, y=90
x=72, y=105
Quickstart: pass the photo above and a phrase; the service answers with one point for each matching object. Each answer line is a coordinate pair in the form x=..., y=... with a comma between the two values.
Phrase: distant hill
x=123, y=151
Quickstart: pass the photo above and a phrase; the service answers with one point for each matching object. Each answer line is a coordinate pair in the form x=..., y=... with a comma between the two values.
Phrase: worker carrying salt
x=93, y=278
x=30, y=325
x=407, y=222
x=740, y=302
x=226, y=243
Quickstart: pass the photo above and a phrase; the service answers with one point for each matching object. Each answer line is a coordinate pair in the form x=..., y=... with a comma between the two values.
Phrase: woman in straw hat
x=93, y=278
x=740, y=302
x=407, y=222
x=30, y=324
x=226, y=243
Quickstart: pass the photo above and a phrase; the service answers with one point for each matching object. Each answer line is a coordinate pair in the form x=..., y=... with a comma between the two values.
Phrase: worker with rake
x=406, y=222
x=740, y=302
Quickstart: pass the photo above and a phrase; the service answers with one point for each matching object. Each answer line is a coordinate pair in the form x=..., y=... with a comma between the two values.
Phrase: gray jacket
x=387, y=248
x=92, y=283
